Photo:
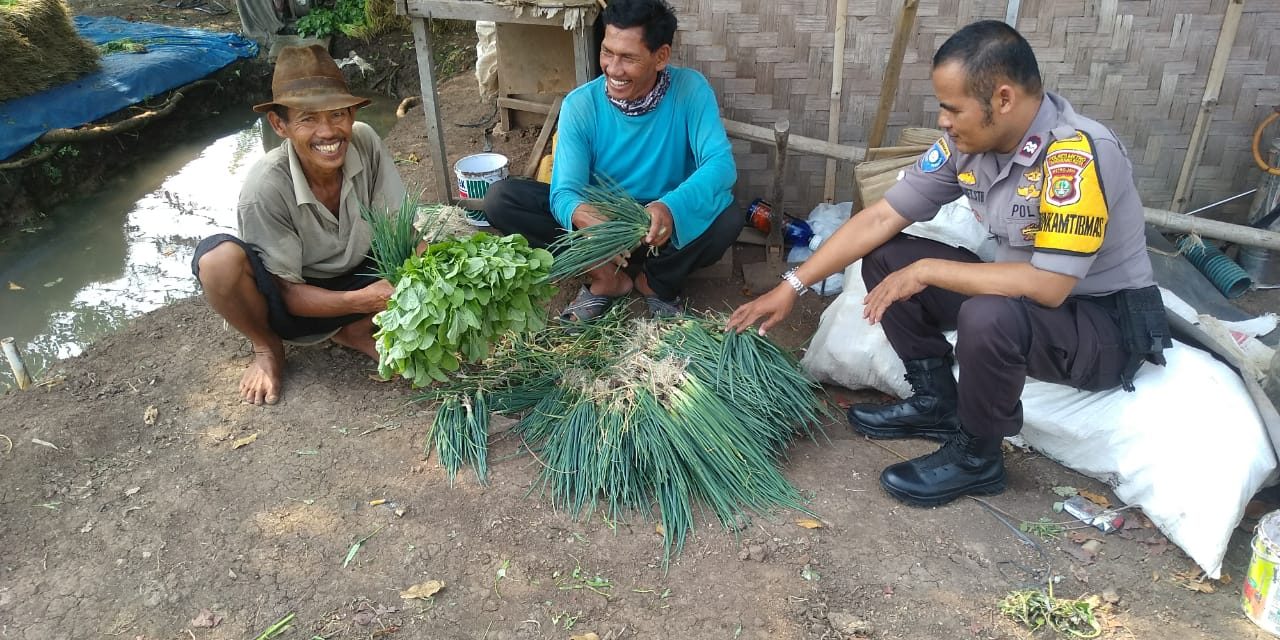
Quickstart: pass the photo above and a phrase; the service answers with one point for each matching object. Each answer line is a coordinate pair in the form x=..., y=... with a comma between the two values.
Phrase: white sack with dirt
x=1188, y=446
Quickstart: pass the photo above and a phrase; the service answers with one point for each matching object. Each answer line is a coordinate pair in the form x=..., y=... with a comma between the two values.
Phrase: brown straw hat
x=307, y=79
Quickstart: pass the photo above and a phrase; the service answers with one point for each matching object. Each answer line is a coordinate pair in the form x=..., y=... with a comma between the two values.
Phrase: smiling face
x=629, y=67
x=320, y=138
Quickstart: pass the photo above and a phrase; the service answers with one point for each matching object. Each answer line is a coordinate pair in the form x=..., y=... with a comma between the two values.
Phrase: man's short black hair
x=991, y=51
x=281, y=111
x=655, y=16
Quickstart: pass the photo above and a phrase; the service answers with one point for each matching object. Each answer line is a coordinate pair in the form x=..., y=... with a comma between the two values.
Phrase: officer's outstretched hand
x=772, y=306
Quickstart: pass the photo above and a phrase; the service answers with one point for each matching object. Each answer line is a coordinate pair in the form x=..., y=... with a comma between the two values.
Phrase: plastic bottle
x=796, y=233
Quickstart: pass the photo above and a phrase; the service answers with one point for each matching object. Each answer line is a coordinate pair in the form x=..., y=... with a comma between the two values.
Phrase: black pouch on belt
x=1143, y=328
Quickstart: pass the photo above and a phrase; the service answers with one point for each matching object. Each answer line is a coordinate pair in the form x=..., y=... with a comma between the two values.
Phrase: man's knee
x=992, y=323
x=220, y=267
x=878, y=264
x=501, y=201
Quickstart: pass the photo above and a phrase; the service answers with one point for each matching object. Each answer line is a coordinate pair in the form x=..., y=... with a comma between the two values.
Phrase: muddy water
x=94, y=263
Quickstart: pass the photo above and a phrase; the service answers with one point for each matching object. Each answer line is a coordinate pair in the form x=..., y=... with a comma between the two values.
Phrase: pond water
x=94, y=263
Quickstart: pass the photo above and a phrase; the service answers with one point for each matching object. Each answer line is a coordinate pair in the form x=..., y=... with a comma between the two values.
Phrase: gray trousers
x=1001, y=340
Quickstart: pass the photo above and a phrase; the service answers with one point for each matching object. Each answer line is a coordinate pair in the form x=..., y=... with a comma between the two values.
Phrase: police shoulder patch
x=935, y=157
x=1073, y=207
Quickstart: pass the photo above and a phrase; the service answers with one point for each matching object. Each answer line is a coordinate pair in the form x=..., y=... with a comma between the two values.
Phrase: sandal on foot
x=660, y=308
x=587, y=306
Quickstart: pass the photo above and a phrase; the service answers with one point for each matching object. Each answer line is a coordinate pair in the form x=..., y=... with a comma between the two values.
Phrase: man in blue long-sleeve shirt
x=655, y=129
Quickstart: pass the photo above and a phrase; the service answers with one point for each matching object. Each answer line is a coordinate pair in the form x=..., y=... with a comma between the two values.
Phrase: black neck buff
x=645, y=103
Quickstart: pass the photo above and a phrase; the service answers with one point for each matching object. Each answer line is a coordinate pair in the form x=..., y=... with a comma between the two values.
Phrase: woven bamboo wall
x=1137, y=66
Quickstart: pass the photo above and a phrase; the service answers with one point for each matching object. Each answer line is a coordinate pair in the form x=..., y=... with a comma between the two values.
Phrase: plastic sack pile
x=1188, y=446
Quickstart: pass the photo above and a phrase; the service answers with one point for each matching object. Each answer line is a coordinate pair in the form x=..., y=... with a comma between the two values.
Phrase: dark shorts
x=283, y=323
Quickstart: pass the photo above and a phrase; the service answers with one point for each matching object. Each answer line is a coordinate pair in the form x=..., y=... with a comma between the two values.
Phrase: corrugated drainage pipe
x=1225, y=274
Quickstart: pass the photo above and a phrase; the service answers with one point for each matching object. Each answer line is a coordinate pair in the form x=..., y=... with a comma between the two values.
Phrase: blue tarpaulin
x=174, y=57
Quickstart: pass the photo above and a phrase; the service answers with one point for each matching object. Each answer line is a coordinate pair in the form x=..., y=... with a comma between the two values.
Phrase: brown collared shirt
x=297, y=236
x=1065, y=201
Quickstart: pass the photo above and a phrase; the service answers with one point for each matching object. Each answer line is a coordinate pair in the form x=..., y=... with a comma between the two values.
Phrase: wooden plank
x=535, y=155
x=1212, y=88
x=476, y=10
x=800, y=144
x=837, y=86
x=431, y=109
x=584, y=53
x=893, y=71
x=524, y=105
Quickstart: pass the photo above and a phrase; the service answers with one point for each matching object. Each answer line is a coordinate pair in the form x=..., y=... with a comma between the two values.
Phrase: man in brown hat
x=298, y=270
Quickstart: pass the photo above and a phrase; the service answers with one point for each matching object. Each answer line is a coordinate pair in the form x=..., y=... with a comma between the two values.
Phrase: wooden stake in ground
x=892, y=71
x=837, y=83
x=535, y=155
x=1217, y=69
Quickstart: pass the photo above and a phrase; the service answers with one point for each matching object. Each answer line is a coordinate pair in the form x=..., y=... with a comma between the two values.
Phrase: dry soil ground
x=126, y=511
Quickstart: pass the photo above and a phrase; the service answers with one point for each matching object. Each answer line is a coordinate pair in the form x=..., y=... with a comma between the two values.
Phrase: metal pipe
x=1220, y=202
x=15, y=362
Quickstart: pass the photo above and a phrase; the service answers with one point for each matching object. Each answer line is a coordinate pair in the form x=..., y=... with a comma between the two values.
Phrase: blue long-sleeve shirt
x=677, y=154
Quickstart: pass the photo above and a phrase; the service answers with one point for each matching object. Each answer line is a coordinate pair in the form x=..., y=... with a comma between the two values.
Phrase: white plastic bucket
x=1261, y=594
x=475, y=173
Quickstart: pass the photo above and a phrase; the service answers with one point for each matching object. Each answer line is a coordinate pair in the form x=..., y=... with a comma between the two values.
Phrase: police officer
x=1056, y=191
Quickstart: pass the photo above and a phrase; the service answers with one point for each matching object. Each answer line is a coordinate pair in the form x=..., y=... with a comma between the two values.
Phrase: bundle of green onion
x=626, y=223
x=394, y=237
x=627, y=415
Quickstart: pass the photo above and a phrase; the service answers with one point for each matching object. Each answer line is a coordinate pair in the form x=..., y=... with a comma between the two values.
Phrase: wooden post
x=535, y=155
x=1199, y=132
x=773, y=245
x=431, y=109
x=892, y=71
x=837, y=85
x=15, y=363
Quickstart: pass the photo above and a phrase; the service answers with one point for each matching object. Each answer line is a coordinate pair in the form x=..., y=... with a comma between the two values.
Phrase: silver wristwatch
x=790, y=277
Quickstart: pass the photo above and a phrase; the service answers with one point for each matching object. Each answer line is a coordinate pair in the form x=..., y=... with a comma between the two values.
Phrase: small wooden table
x=420, y=12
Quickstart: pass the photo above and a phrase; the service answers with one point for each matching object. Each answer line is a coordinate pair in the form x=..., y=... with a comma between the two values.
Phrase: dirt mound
x=40, y=47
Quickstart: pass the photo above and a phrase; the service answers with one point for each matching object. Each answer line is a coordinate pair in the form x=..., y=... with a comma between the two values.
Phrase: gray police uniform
x=1064, y=201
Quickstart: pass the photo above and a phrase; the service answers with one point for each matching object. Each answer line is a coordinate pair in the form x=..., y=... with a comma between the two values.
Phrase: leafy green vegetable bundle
x=631, y=414
x=455, y=299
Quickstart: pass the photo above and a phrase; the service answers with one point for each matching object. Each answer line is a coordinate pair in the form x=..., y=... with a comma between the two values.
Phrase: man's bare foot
x=261, y=381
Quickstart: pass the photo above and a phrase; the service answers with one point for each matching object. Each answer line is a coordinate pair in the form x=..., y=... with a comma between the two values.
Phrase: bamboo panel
x=1139, y=67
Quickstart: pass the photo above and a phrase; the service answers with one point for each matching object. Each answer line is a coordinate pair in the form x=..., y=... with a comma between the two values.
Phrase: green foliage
x=582, y=250
x=346, y=17
x=1035, y=608
x=456, y=299
x=394, y=238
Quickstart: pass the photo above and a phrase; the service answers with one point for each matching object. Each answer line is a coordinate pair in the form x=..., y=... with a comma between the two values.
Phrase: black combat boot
x=965, y=465
x=929, y=413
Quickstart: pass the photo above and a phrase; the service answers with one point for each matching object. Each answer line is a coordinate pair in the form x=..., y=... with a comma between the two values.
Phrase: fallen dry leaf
x=1082, y=536
x=44, y=443
x=660, y=531
x=586, y=636
x=247, y=440
x=13, y=286
x=422, y=590
x=1097, y=498
x=1194, y=580
x=149, y=416
x=206, y=619
x=1081, y=554
x=809, y=523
